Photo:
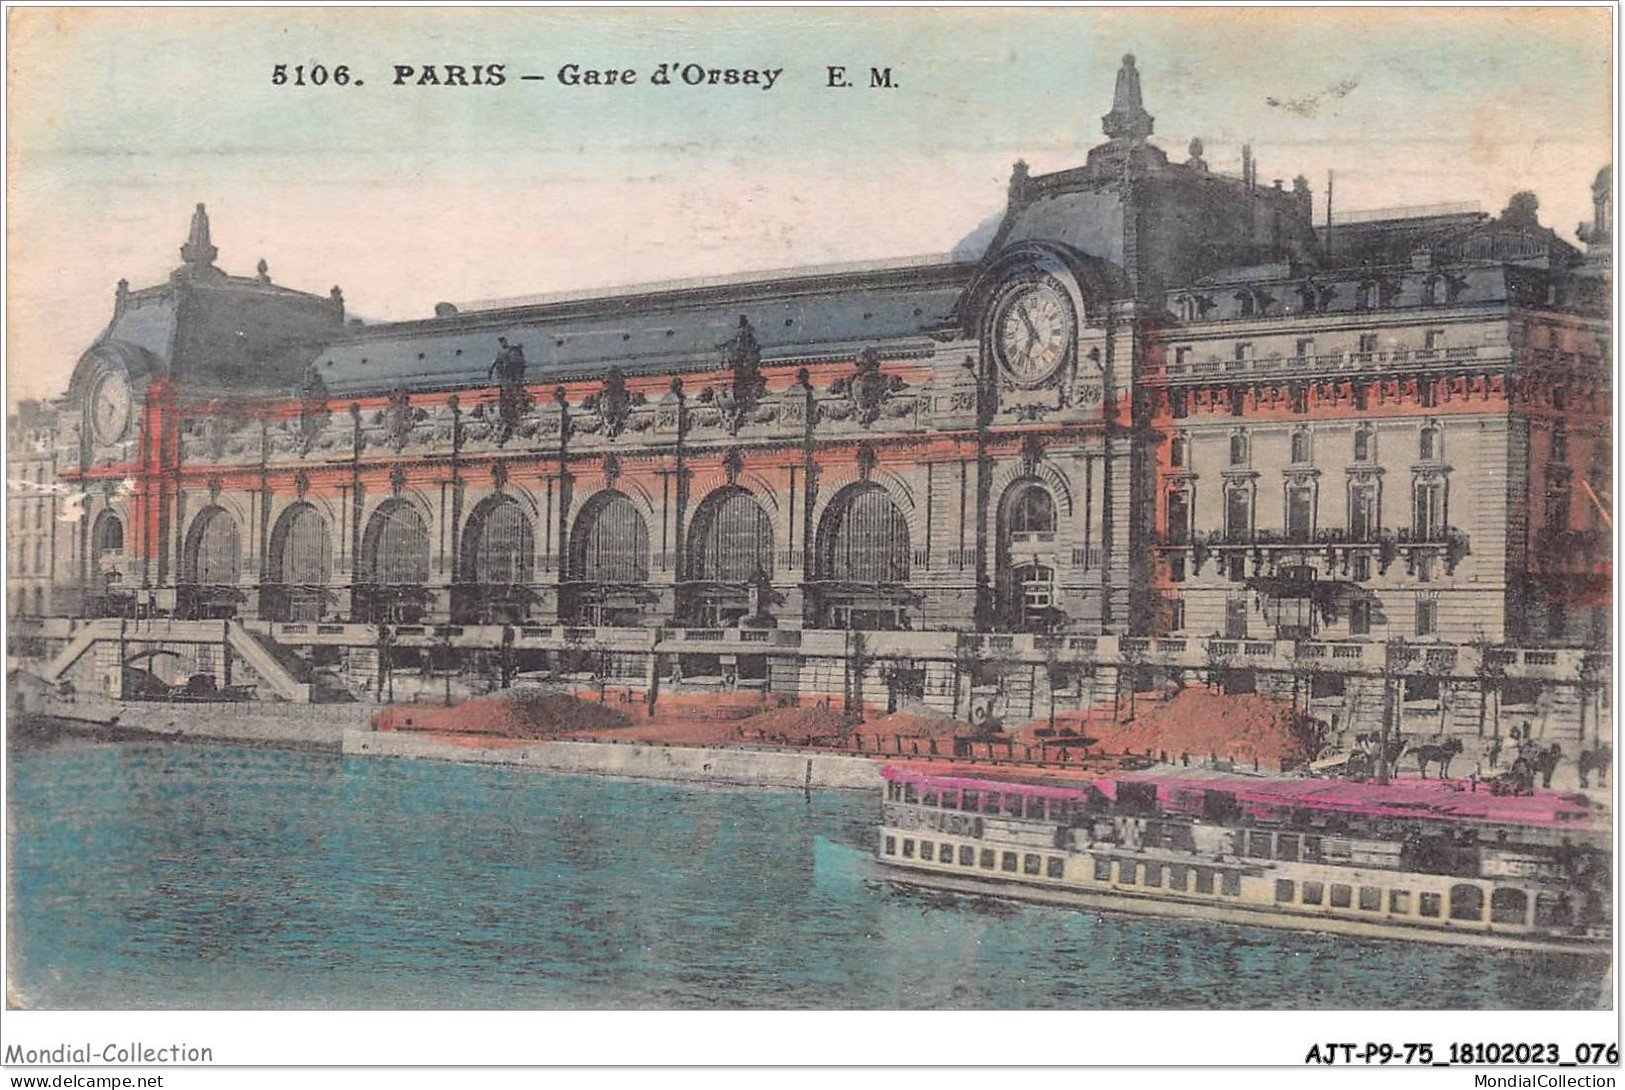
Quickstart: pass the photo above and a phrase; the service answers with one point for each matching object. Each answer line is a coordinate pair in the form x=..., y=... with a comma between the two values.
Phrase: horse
x=1598, y=760
x=1438, y=753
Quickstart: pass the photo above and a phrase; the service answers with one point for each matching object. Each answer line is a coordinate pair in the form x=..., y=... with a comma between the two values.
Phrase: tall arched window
x=1431, y=446
x=1363, y=444
x=1024, y=565
x=499, y=545
x=213, y=556
x=300, y=566
x=864, y=538
x=610, y=543
x=1300, y=446
x=1238, y=449
x=1031, y=511
x=395, y=550
x=732, y=539
x=108, y=534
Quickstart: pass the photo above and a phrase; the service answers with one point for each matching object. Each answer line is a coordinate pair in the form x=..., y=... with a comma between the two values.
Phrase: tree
x=1491, y=672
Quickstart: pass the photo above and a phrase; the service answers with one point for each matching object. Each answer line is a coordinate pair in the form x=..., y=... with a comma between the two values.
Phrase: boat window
x=950, y=798
x=1509, y=906
x=1286, y=847
x=891, y=845
x=910, y=793
x=1399, y=902
x=1311, y=848
x=945, y=852
x=1258, y=844
x=1313, y=893
x=987, y=858
x=1285, y=890
x=928, y=850
x=1009, y=862
x=1204, y=880
x=1032, y=864
x=1178, y=877
x=1553, y=910
x=928, y=797
x=1230, y=883
x=967, y=856
x=1060, y=809
x=1370, y=899
x=908, y=848
x=1466, y=902
x=973, y=800
x=1035, y=807
x=1127, y=871
x=1342, y=896
x=1012, y=805
x=1153, y=874
x=1429, y=904
x=1057, y=867
x=894, y=790
x=1103, y=869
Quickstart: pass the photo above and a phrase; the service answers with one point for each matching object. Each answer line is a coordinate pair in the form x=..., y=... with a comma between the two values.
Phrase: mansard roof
x=798, y=318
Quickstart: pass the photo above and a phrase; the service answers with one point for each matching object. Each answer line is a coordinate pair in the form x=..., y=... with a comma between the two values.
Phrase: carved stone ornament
x=301, y=484
x=612, y=468
x=513, y=399
x=398, y=419
x=868, y=388
x=742, y=354
x=867, y=460
x=499, y=475
x=313, y=411
x=613, y=403
x=397, y=479
x=214, y=487
x=733, y=464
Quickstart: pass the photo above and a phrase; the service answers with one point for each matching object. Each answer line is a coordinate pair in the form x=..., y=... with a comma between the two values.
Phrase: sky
x=121, y=120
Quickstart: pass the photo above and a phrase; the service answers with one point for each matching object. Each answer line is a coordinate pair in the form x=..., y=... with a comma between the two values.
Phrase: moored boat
x=1428, y=861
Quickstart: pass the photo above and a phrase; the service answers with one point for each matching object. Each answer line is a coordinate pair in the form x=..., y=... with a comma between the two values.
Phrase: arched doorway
x=393, y=587
x=300, y=567
x=729, y=560
x=862, y=561
x=109, y=597
x=211, y=567
x=608, y=569
x=497, y=565
x=1024, y=561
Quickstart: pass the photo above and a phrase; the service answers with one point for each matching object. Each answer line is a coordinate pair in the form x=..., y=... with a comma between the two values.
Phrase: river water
x=153, y=875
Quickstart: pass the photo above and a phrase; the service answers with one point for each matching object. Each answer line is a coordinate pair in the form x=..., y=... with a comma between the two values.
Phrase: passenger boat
x=1424, y=860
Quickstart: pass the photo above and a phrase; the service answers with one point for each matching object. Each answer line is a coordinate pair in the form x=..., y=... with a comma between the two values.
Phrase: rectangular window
x=1235, y=615
x=894, y=791
x=1238, y=514
x=1368, y=342
x=1182, y=355
x=1032, y=864
x=1055, y=866
x=911, y=793
x=1311, y=849
x=928, y=797
x=1258, y=844
x=967, y=856
x=1285, y=890
x=1362, y=512
x=1179, y=518
x=1313, y=893
x=1035, y=807
x=1153, y=874
x=1399, y=902
x=1286, y=847
x=1178, y=877
x=1009, y=862
x=950, y=799
x=1360, y=569
x=891, y=845
x=1176, y=610
x=1300, y=513
x=908, y=849
x=1429, y=904
x=1204, y=880
x=1342, y=896
x=1243, y=351
x=1427, y=616
x=1176, y=570
x=988, y=859
x=1236, y=570
x=945, y=853
x=1370, y=899
x=1230, y=883
x=1306, y=347
x=1360, y=617
x=1103, y=868
x=1433, y=340
x=928, y=850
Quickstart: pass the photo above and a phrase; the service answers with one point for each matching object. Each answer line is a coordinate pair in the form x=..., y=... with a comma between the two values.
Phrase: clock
x=1033, y=330
x=110, y=407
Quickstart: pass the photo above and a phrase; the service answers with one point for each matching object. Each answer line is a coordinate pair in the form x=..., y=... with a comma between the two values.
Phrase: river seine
x=150, y=875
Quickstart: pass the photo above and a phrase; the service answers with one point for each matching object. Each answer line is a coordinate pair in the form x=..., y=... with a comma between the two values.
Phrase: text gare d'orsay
x=577, y=75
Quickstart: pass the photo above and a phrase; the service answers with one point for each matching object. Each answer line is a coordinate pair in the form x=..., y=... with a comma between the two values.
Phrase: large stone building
x=1163, y=421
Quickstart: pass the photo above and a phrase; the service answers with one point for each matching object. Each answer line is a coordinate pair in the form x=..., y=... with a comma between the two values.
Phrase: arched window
x=1363, y=444
x=1238, y=449
x=213, y=557
x=1178, y=452
x=1300, y=446
x=395, y=549
x=108, y=534
x=864, y=538
x=499, y=545
x=1238, y=514
x=732, y=539
x=1431, y=446
x=610, y=543
x=1466, y=903
x=1031, y=511
x=299, y=552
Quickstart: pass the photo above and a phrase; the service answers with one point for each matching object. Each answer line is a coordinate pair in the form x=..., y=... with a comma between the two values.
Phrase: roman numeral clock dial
x=1033, y=332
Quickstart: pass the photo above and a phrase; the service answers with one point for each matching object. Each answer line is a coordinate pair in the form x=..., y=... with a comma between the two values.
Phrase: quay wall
x=687, y=764
x=301, y=726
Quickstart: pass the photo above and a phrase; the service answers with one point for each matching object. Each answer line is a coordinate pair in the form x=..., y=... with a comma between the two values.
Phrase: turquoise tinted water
x=154, y=875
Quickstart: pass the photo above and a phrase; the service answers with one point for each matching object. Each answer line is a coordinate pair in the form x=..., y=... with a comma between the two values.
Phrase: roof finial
x=1128, y=119
x=199, y=250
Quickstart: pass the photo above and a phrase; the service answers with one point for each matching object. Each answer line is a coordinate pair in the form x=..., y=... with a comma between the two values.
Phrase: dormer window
x=1243, y=351
x=1430, y=291
x=1244, y=304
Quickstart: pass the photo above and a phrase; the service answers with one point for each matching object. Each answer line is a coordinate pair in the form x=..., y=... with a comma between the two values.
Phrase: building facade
x=1162, y=410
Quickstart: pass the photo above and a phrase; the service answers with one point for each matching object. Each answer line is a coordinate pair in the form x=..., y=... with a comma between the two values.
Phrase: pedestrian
x=1185, y=758
x=1495, y=751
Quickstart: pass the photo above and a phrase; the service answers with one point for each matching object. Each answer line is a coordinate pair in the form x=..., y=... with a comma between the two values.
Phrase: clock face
x=1033, y=331
x=110, y=408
